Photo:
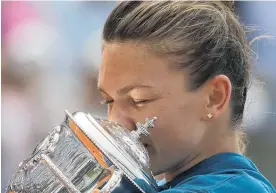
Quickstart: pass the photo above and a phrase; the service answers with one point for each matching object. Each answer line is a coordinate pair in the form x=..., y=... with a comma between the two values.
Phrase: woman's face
x=137, y=84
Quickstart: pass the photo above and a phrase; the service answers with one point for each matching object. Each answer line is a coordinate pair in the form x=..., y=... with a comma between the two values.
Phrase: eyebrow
x=127, y=89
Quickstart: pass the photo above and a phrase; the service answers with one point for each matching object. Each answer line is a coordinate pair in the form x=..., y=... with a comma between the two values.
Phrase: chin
x=159, y=166
x=155, y=162
x=155, y=166
x=157, y=171
x=154, y=171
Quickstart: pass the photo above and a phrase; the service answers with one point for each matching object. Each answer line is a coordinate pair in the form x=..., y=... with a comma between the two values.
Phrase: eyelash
x=107, y=102
x=135, y=102
x=140, y=102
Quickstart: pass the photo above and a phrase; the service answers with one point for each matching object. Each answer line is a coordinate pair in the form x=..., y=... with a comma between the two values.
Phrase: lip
x=146, y=145
x=148, y=148
x=145, y=140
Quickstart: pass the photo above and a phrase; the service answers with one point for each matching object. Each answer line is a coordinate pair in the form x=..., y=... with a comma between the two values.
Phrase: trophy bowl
x=85, y=154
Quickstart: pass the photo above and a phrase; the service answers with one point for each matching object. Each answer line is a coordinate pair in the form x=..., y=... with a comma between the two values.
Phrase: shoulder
x=227, y=182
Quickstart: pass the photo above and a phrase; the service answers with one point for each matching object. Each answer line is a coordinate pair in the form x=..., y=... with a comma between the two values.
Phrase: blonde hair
x=205, y=38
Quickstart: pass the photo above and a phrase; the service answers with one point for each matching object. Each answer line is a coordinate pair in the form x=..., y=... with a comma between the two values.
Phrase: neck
x=226, y=143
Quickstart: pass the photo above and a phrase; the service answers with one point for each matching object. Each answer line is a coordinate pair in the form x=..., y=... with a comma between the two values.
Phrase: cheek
x=176, y=135
x=178, y=125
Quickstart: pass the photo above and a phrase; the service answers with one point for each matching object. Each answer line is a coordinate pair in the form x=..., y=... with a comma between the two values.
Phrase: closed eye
x=140, y=102
x=106, y=102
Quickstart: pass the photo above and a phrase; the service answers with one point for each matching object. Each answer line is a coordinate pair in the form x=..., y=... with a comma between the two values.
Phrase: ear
x=218, y=94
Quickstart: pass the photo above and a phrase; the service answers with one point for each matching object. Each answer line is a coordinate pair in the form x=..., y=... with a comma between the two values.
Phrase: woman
x=187, y=63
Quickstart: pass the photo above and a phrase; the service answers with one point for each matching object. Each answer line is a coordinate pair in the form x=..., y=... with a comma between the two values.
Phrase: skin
x=136, y=84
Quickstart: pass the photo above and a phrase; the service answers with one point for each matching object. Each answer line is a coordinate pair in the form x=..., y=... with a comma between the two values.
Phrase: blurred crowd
x=50, y=57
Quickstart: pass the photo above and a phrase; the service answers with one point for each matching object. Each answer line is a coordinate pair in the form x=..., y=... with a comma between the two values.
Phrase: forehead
x=129, y=63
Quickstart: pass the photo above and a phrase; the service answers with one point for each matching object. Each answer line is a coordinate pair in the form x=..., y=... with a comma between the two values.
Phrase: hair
x=205, y=38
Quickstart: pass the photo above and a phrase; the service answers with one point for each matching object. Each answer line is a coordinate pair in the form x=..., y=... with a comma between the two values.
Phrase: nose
x=121, y=116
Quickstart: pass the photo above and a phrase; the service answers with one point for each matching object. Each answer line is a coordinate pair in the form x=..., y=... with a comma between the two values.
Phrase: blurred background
x=50, y=58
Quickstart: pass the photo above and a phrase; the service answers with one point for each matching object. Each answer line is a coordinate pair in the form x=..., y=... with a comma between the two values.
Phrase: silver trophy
x=85, y=155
